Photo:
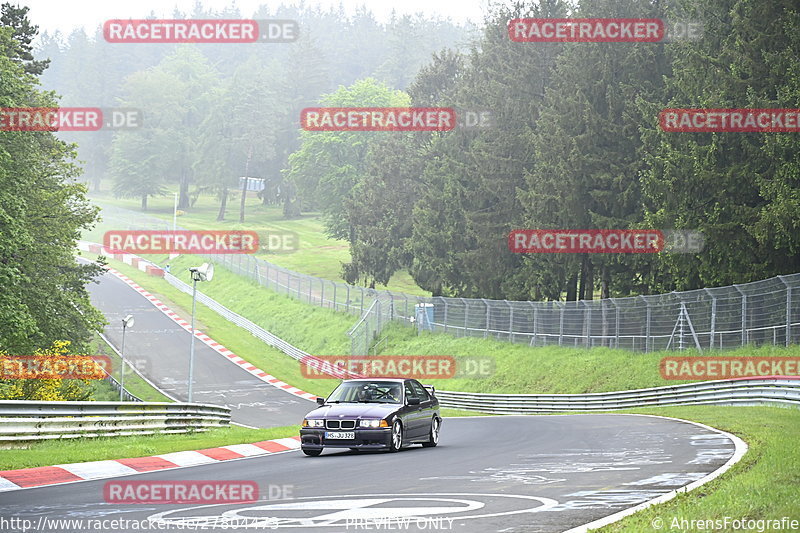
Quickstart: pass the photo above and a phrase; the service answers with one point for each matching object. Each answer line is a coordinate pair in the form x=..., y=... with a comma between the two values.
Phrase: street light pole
x=191, y=349
x=205, y=272
x=127, y=321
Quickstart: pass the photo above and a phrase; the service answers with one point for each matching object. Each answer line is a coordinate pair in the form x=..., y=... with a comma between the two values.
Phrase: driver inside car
x=394, y=393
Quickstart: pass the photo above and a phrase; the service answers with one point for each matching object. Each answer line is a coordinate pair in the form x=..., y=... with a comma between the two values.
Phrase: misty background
x=575, y=141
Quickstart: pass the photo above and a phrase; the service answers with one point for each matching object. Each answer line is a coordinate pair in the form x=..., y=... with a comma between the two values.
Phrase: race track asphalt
x=159, y=348
x=505, y=474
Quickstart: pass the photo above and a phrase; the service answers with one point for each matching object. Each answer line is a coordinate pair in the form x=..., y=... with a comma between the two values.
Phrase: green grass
x=318, y=255
x=550, y=369
x=320, y=331
x=518, y=368
x=63, y=451
x=764, y=484
x=102, y=391
x=133, y=383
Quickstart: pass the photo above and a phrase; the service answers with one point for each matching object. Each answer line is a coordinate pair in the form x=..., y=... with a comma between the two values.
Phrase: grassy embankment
x=317, y=254
x=762, y=485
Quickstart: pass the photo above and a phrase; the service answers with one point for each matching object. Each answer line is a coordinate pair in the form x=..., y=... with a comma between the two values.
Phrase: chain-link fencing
x=762, y=312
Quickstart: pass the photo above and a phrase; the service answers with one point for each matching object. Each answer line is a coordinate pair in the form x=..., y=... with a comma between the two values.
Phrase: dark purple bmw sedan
x=373, y=414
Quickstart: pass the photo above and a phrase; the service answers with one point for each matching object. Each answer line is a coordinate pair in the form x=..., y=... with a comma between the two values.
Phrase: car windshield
x=367, y=392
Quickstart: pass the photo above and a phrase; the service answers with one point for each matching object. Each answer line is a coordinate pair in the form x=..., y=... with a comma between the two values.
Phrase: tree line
x=575, y=143
x=44, y=306
x=215, y=112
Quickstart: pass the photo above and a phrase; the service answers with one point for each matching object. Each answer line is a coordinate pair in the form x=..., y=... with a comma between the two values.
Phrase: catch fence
x=762, y=312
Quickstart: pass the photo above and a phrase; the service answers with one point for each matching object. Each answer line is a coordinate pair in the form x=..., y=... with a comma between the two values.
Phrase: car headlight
x=313, y=423
x=373, y=424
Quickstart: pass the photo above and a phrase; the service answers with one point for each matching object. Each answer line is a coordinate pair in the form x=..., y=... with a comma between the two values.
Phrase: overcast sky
x=66, y=15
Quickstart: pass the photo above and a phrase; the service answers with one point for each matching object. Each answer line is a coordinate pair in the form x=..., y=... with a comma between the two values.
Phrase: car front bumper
x=367, y=439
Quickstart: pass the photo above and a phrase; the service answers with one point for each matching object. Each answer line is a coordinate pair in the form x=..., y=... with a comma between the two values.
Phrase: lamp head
x=204, y=272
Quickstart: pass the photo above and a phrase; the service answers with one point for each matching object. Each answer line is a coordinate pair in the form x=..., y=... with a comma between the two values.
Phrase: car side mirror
x=413, y=401
x=320, y=401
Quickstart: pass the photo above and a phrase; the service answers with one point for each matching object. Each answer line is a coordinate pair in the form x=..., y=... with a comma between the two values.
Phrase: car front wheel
x=397, y=437
x=311, y=453
x=433, y=436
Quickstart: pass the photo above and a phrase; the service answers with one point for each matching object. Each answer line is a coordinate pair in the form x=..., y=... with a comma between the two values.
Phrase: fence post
x=788, y=310
x=466, y=312
x=588, y=323
x=535, y=321
x=788, y=315
x=647, y=326
x=561, y=324
x=334, y=294
x=713, y=319
x=510, y=321
x=486, y=330
x=744, y=314
x=616, y=323
x=445, y=313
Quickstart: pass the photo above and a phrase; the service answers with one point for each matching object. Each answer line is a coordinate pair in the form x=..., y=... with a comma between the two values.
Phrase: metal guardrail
x=763, y=391
x=116, y=386
x=256, y=330
x=25, y=420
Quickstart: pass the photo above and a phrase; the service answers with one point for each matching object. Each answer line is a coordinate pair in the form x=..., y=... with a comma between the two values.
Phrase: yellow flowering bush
x=17, y=385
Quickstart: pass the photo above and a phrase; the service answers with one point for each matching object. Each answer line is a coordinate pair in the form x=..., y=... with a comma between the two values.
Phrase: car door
x=412, y=411
x=427, y=409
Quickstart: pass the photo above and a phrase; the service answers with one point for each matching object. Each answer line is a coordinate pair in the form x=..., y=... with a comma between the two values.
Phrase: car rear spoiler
x=430, y=389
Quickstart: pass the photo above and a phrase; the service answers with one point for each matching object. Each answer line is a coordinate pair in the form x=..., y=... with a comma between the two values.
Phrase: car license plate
x=340, y=435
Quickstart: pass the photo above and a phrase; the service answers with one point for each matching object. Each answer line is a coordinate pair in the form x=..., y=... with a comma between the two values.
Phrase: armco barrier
x=24, y=420
x=782, y=391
